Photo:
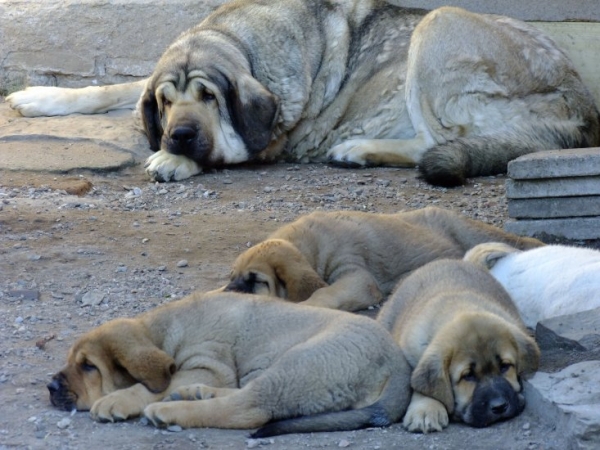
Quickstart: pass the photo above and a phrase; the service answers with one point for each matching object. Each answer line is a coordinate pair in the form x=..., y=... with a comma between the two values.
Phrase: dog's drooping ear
x=151, y=118
x=133, y=350
x=254, y=112
x=431, y=377
x=529, y=352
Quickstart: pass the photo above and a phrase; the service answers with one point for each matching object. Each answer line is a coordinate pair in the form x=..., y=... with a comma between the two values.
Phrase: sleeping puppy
x=551, y=281
x=352, y=260
x=230, y=360
x=465, y=342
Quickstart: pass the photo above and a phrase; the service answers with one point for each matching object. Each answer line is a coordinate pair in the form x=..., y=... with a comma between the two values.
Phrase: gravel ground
x=124, y=245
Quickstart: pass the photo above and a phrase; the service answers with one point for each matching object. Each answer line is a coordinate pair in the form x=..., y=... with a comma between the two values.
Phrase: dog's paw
x=40, y=101
x=115, y=407
x=191, y=392
x=425, y=416
x=162, y=414
x=352, y=153
x=164, y=166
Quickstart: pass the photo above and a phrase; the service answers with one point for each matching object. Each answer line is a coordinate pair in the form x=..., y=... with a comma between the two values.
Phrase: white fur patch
x=164, y=166
x=551, y=281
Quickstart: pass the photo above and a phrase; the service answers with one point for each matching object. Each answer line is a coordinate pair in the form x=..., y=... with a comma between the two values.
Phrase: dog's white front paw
x=40, y=101
x=164, y=166
x=353, y=152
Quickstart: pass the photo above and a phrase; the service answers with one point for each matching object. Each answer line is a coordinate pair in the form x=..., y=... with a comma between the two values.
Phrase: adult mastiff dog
x=357, y=82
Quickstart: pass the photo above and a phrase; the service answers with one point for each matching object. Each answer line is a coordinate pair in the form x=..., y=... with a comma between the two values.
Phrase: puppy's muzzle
x=493, y=400
x=239, y=284
x=60, y=396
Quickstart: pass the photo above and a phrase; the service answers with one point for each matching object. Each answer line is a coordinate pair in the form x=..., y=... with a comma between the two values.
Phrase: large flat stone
x=582, y=328
x=554, y=207
x=557, y=187
x=571, y=400
x=573, y=228
x=556, y=164
x=44, y=154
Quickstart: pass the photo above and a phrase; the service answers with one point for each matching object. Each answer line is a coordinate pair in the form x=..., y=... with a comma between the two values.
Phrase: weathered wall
x=81, y=42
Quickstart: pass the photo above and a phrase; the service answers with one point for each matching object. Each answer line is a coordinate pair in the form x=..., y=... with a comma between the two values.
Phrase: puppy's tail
x=388, y=409
x=488, y=254
x=451, y=163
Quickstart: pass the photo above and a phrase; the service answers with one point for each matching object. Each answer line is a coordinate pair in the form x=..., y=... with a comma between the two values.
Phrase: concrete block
x=556, y=164
x=580, y=331
x=571, y=228
x=570, y=399
x=553, y=187
x=554, y=207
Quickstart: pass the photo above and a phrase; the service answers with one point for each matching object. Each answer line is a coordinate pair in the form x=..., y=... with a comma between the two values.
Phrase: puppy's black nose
x=183, y=134
x=53, y=386
x=498, y=406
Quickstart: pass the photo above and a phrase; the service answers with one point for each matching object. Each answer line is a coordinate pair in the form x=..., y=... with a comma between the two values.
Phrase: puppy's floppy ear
x=131, y=347
x=254, y=112
x=431, y=377
x=151, y=117
x=529, y=352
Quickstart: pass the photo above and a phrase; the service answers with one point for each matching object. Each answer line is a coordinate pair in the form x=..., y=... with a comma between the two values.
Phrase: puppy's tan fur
x=229, y=360
x=466, y=343
x=352, y=260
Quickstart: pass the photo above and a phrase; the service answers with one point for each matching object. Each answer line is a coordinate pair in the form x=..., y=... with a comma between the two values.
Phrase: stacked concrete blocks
x=555, y=193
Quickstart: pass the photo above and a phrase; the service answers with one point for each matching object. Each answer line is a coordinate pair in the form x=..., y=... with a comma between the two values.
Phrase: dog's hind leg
x=56, y=101
x=238, y=410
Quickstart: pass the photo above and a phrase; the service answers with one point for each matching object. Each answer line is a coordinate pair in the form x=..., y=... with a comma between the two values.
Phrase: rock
x=92, y=298
x=182, y=263
x=64, y=423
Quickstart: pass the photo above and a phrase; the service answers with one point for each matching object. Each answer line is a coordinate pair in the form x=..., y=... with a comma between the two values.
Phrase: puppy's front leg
x=123, y=404
x=425, y=414
x=353, y=291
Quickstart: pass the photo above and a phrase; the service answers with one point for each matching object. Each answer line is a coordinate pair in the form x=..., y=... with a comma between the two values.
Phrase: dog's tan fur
x=359, y=82
x=352, y=260
x=463, y=337
x=230, y=360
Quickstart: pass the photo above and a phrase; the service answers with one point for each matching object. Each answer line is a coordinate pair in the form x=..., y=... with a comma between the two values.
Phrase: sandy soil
x=79, y=249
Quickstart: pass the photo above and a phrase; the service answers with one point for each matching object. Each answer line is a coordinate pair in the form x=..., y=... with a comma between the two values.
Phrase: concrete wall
x=82, y=42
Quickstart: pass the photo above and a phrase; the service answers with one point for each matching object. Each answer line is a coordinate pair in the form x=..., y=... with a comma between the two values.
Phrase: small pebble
x=174, y=428
x=182, y=263
x=63, y=423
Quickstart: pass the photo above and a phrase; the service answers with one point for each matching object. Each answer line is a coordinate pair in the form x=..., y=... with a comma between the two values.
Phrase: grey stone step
x=578, y=330
x=572, y=228
x=553, y=187
x=556, y=164
x=554, y=207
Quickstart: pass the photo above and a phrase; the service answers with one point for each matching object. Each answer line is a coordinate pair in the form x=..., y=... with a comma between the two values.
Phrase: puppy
x=551, y=281
x=230, y=360
x=352, y=260
x=465, y=342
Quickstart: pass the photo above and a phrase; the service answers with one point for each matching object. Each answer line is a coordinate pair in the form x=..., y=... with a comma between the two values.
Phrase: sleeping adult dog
x=358, y=82
x=464, y=340
x=351, y=260
x=547, y=282
x=229, y=360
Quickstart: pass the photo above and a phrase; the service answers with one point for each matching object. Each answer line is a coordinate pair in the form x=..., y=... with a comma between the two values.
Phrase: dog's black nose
x=499, y=406
x=183, y=134
x=53, y=386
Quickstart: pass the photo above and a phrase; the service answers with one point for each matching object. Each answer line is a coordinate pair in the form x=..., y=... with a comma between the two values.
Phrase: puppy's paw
x=191, y=392
x=162, y=414
x=41, y=101
x=115, y=407
x=425, y=415
x=352, y=153
x=164, y=166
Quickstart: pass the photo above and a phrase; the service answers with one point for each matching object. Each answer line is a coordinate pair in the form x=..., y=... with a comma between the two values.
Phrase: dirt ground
x=69, y=262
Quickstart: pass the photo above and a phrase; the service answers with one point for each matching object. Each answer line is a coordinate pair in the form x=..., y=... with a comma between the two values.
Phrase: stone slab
x=557, y=187
x=573, y=228
x=582, y=328
x=556, y=164
x=554, y=207
x=46, y=154
x=570, y=399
